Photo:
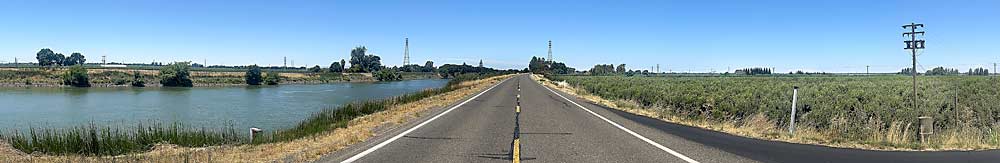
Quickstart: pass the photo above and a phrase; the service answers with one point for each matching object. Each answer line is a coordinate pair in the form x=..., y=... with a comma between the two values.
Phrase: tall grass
x=96, y=140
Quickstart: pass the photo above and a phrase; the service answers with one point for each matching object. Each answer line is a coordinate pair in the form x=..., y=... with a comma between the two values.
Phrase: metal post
x=791, y=121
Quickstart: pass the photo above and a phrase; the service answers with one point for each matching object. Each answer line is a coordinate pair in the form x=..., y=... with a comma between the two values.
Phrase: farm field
x=873, y=112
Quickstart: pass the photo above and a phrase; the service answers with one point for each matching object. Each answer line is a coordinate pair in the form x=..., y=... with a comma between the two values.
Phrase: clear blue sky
x=688, y=35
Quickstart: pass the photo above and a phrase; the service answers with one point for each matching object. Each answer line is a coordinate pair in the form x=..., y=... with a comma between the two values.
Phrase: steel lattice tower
x=550, y=51
x=406, y=51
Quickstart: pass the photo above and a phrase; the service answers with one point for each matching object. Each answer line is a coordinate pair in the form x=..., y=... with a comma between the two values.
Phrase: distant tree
x=253, y=76
x=429, y=65
x=942, y=71
x=197, y=65
x=620, y=69
x=46, y=57
x=74, y=59
x=176, y=74
x=315, y=69
x=343, y=65
x=979, y=71
x=77, y=77
x=272, y=78
x=336, y=67
x=137, y=80
x=361, y=62
x=602, y=69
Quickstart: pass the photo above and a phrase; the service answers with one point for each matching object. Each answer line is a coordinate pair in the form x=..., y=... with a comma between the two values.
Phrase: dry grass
x=301, y=150
x=896, y=137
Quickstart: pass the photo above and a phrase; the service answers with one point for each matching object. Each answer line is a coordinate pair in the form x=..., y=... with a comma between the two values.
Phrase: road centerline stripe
x=394, y=138
x=643, y=138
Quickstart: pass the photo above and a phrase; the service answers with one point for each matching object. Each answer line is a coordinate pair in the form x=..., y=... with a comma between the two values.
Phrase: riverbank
x=857, y=114
x=292, y=150
x=117, y=77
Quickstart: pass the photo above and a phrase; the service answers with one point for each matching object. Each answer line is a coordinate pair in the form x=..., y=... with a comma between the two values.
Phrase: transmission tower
x=913, y=44
x=550, y=51
x=284, y=63
x=406, y=51
x=104, y=59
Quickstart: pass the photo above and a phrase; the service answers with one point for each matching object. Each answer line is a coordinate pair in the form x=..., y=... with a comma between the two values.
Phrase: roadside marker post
x=791, y=121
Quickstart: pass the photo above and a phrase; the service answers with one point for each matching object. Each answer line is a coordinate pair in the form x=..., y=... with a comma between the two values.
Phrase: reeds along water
x=96, y=140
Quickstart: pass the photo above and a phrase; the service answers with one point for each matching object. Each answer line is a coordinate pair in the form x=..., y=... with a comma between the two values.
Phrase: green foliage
x=979, y=71
x=137, y=79
x=76, y=76
x=602, y=69
x=388, y=75
x=46, y=57
x=176, y=75
x=361, y=62
x=336, y=67
x=943, y=71
x=837, y=104
x=272, y=78
x=106, y=141
x=538, y=65
x=753, y=71
x=315, y=69
x=74, y=59
x=253, y=76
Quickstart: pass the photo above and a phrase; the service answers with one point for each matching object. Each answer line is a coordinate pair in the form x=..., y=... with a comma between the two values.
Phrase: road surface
x=519, y=120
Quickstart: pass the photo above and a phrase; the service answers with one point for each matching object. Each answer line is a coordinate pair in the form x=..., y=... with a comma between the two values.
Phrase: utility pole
x=284, y=63
x=550, y=51
x=104, y=59
x=913, y=44
x=406, y=51
x=866, y=70
x=657, y=68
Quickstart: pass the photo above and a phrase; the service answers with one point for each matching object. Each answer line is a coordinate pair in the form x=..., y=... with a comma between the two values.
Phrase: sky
x=679, y=35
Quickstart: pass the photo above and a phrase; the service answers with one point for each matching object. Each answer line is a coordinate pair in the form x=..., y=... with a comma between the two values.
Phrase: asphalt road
x=552, y=126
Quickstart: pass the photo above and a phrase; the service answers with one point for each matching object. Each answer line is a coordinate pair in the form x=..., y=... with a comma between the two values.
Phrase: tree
x=361, y=62
x=602, y=69
x=176, y=74
x=253, y=76
x=46, y=57
x=942, y=71
x=537, y=65
x=137, y=80
x=77, y=77
x=429, y=65
x=343, y=65
x=336, y=67
x=272, y=78
x=74, y=59
x=620, y=69
x=315, y=69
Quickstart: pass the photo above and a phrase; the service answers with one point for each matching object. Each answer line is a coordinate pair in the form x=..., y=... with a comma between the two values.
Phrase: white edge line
x=668, y=150
x=380, y=145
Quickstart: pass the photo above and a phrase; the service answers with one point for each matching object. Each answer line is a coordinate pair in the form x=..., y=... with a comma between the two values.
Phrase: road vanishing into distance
x=519, y=120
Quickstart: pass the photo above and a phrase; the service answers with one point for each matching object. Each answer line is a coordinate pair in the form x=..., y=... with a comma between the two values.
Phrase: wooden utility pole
x=913, y=44
x=866, y=70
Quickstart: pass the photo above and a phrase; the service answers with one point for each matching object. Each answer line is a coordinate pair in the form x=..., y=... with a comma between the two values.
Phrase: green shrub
x=137, y=80
x=176, y=75
x=253, y=76
x=388, y=75
x=272, y=78
x=76, y=76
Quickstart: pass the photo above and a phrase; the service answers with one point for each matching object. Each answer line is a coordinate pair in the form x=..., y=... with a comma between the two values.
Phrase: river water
x=269, y=107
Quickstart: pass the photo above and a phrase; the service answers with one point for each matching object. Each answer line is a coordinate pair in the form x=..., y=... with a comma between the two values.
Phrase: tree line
x=46, y=57
x=541, y=66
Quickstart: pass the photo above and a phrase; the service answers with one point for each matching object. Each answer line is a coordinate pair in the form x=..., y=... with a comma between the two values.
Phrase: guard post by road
x=791, y=120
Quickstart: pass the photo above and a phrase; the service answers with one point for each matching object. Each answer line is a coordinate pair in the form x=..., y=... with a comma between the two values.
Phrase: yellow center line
x=517, y=151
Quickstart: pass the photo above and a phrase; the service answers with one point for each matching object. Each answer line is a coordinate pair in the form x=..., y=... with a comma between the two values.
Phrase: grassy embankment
x=868, y=112
x=324, y=132
x=115, y=77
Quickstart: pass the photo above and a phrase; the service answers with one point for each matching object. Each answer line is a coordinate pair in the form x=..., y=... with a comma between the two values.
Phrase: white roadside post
x=791, y=121
x=254, y=130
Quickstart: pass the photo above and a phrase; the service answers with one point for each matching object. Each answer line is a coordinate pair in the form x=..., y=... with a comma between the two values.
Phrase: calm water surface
x=269, y=107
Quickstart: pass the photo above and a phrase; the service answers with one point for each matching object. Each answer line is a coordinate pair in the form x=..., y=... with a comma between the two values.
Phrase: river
x=269, y=107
